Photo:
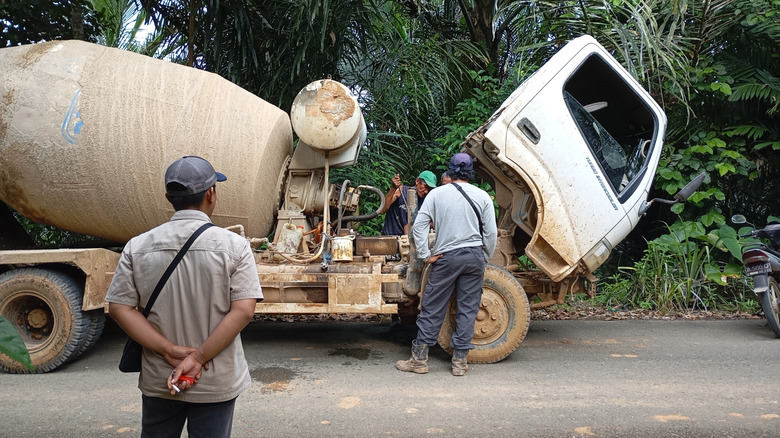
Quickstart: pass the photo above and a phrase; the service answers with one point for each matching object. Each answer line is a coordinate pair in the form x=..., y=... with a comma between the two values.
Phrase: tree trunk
x=190, y=39
x=480, y=16
x=77, y=20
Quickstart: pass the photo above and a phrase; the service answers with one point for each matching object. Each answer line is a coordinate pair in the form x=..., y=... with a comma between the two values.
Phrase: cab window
x=615, y=123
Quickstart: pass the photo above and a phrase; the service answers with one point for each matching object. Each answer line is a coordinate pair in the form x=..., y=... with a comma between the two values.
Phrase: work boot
x=459, y=362
x=418, y=363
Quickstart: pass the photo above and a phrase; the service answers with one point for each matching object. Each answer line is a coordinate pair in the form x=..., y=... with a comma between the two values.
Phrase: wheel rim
x=502, y=319
x=492, y=319
x=32, y=316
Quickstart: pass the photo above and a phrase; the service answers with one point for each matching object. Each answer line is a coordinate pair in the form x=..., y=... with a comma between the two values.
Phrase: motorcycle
x=762, y=262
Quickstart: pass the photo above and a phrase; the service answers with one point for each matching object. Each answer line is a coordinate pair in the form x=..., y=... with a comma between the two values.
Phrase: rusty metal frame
x=348, y=292
x=97, y=264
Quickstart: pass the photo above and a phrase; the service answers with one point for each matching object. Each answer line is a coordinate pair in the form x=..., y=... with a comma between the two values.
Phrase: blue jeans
x=164, y=418
x=462, y=271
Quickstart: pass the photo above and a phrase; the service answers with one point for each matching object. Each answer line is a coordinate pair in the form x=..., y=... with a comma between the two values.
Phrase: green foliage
x=470, y=113
x=12, y=345
x=526, y=263
x=720, y=154
x=381, y=158
x=214, y=35
x=681, y=271
x=28, y=22
x=119, y=20
x=735, y=134
x=758, y=79
x=121, y=23
x=44, y=235
x=373, y=170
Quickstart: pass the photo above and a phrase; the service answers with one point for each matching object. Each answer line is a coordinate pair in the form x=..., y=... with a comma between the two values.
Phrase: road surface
x=576, y=378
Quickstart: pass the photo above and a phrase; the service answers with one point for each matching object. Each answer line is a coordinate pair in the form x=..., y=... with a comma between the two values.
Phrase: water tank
x=328, y=121
x=87, y=131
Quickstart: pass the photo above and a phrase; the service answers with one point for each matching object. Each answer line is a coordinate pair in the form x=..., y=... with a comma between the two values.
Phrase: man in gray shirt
x=465, y=224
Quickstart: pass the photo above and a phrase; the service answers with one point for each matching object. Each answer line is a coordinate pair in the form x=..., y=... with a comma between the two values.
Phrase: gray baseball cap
x=194, y=173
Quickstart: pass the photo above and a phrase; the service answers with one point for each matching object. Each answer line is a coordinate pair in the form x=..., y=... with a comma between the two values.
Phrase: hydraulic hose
x=369, y=215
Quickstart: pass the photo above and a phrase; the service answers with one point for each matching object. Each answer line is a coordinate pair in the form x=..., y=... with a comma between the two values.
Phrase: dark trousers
x=461, y=271
x=164, y=418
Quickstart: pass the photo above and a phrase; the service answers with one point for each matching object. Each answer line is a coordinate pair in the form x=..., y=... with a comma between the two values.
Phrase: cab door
x=587, y=139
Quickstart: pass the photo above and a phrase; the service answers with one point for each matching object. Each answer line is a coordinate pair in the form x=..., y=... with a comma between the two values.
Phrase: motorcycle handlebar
x=759, y=234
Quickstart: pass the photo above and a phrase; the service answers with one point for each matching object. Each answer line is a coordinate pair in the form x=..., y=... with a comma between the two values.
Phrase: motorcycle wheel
x=770, y=306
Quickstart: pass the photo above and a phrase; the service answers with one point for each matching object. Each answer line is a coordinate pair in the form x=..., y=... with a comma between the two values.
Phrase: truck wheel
x=97, y=322
x=502, y=321
x=770, y=307
x=45, y=308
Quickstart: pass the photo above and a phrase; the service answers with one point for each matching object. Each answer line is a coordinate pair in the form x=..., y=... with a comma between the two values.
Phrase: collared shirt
x=456, y=224
x=218, y=268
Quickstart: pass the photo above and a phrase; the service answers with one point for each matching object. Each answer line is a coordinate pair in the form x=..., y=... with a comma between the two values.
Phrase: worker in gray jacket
x=465, y=224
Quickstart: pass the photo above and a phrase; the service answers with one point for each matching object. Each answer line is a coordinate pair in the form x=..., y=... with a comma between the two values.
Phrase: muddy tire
x=771, y=307
x=502, y=321
x=97, y=322
x=45, y=308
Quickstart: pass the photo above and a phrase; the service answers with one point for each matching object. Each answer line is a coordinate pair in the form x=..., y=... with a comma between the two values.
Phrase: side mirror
x=681, y=196
x=689, y=188
x=739, y=219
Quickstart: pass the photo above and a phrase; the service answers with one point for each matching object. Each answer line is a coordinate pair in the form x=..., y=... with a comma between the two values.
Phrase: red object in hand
x=188, y=379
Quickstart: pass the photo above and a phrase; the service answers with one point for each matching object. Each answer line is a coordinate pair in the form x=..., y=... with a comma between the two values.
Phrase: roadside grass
x=580, y=306
x=688, y=271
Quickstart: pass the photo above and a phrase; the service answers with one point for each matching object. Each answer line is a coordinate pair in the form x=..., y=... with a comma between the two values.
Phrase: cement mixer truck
x=87, y=131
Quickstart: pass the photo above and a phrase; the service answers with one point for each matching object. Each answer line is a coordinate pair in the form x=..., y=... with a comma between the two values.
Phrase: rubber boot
x=459, y=362
x=418, y=363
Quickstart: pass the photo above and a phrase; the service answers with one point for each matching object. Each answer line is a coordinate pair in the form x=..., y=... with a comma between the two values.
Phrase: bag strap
x=473, y=207
x=172, y=266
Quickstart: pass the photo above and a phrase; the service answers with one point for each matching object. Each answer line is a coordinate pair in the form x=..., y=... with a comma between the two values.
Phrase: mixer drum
x=87, y=131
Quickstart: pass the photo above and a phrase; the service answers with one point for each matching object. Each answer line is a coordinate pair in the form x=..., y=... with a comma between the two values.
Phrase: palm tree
x=407, y=74
x=212, y=35
x=120, y=22
x=29, y=22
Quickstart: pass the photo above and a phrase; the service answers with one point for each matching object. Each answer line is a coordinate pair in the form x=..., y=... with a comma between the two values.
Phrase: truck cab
x=572, y=154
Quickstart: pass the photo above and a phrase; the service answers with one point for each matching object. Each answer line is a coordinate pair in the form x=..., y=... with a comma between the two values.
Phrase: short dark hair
x=461, y=174
x=183, y=202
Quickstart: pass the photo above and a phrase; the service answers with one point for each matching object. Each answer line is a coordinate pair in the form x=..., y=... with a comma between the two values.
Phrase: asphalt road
x=337, y=379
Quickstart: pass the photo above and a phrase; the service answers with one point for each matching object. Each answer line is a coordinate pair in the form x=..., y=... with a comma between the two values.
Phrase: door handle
x=529, y=130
